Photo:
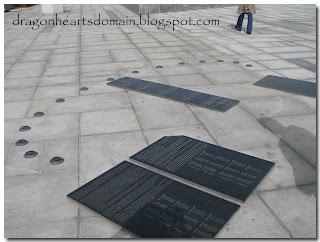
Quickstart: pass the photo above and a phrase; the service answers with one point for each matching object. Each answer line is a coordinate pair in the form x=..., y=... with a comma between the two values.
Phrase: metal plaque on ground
x=288, y=85
x=175, y=93
x=150, y=205
x=223, y=170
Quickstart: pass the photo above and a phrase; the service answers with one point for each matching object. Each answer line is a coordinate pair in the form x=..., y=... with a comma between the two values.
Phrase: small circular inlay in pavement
x=84, y=89
x=30, y=154
x=181, y=63
x=110, y=79
x=56, y=160
x=248, y=65
x=236, y=62
x=24, y=128
x=38, y=114
x=21, y=142
x=135, y=72
x=220, y=60
x=60, y=100
x=202, y=61
x=159, y=66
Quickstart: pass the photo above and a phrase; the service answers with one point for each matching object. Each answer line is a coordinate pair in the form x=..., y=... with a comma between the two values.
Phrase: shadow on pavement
x=306, y=146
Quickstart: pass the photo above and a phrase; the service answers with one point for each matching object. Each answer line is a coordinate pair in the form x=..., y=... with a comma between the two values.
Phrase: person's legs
x=239, y=23
x=250, y=20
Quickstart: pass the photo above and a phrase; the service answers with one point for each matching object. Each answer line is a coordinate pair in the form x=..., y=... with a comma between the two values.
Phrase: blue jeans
x=240, y=20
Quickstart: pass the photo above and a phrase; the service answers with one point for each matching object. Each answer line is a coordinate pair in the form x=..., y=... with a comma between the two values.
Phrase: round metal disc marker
x=24, y=128
x=30, y=154
x=21, y=142
x=56, y=160
x=38, y=114
x=60, y=100
x=84, y=89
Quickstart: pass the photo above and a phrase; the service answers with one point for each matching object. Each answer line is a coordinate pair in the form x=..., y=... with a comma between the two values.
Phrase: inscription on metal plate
x=175, y=93
x=223, y=170
x=288, y=85
x=153, y=206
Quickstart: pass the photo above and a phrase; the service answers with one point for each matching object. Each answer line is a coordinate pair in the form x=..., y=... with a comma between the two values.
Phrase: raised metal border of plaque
x=204, y=100
x=150, y=205
x=288, y=85
x=225, y=171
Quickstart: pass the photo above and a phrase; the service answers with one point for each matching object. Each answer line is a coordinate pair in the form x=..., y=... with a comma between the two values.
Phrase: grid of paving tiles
x=94, y=130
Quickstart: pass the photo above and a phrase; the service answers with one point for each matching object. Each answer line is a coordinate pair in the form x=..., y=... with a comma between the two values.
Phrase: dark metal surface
x=38, y=114
x=304, y=64
x=21, y=142
x=112, y=15
x=84, y=89
x=223, y=170
x=175, y=93
x=60, y=100
x=150, y=205
x=288, y=85
x=24, y=128
x=56, y=160
x=30, y=154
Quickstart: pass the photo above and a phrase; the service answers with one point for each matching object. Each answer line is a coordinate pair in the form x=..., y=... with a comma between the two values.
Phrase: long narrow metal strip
x=304, y=64
x=112, y=15
x=288, y=85
x=175, y=93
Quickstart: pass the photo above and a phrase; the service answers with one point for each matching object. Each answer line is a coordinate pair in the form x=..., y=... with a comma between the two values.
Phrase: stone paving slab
x=94, y=130
x=154, y=112
x=111, y=121
x=289, y=205
x=290, y=169
x=253, y=215
x=298, y=131
x=44, y=194
x=80, y=104
x=64, y=229
x=99, y=153
x=45, y=127
x=16, y=110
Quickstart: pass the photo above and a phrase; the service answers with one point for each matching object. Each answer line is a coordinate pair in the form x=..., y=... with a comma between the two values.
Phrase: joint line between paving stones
x=35, y=88
x=275, y=216
x=79, y=127
x=245, y=43
x=284, y=188
x=132, y=106
x=167, y=82
x=45, y=66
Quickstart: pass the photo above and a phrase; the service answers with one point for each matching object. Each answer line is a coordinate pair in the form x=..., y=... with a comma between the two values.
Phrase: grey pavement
x=96, y=129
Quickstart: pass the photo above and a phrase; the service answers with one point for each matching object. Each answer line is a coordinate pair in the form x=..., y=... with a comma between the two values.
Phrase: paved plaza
x=96, y=129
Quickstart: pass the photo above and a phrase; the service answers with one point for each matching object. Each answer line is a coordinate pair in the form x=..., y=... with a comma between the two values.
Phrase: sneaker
x=237, y=28
x=249, y=33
